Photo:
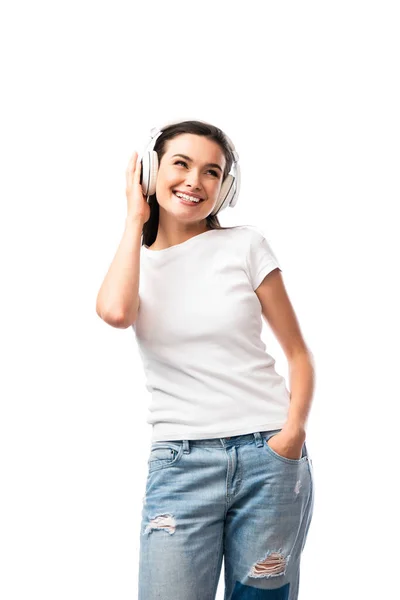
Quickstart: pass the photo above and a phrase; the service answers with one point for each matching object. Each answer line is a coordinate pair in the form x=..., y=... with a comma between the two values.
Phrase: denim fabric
x=233, y=498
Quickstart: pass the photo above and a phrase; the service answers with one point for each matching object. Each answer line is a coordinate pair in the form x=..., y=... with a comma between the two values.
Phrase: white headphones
x=229, y=192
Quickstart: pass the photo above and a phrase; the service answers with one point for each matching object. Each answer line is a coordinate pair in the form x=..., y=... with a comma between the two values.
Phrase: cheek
x=163, y=187
x=165, y=182
x=217, y=187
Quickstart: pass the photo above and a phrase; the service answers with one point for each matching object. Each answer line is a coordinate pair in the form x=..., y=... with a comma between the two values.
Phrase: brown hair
x=150, y=228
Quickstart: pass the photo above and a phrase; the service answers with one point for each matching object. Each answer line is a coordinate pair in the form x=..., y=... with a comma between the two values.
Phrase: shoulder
x=252, y=236
x=246, y=232
x=248, y=238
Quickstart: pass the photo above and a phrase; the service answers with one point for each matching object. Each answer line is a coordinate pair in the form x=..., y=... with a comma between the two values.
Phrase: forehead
x=198, y=147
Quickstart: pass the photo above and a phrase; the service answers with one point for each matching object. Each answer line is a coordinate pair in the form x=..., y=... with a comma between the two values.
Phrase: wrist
x=294, y=429
x=134, y=221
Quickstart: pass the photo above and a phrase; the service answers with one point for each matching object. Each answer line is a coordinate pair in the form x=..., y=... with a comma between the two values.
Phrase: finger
x=138, y=168
x=132, y=160
x=130, y=168
x=138, y=165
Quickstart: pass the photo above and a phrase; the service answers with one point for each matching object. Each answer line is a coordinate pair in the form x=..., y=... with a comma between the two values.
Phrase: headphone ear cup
x=226, y=194
x=149, y=172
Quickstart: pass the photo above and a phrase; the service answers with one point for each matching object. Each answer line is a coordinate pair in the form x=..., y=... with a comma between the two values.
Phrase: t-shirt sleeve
x=261, y=259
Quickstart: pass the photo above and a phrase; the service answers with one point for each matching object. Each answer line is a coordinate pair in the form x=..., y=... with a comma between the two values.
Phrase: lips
x=188, y=194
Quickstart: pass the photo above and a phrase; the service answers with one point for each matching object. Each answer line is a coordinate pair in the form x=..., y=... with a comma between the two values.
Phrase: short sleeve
x=261, y=259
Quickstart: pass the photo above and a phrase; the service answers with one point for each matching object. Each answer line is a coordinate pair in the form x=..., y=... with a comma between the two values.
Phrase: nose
x=193, y=180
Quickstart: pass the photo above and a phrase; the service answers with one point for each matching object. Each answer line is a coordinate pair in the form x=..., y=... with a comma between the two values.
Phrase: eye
x=215, y=174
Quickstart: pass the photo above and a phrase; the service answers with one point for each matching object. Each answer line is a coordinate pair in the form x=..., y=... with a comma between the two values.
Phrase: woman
x=229, y=474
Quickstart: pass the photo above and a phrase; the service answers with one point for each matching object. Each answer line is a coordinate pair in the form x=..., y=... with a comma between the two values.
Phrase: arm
x=302, y=377
x=118, y=298
x=278, y=312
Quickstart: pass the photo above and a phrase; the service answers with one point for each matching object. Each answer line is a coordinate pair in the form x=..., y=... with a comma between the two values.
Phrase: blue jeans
x=233, y=498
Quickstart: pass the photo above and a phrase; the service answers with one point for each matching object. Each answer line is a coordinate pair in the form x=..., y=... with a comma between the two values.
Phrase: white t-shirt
x=198, y=331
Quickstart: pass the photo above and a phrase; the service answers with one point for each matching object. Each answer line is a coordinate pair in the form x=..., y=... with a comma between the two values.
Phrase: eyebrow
x=191, y=160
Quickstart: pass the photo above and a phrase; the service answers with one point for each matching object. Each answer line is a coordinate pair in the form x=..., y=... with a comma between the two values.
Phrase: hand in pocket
x=288, y=447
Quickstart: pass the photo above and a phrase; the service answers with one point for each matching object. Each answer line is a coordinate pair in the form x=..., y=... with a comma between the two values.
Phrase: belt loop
x=186, y=448
x=258, y=439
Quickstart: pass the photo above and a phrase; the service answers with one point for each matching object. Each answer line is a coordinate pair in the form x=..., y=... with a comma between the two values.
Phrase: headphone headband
x=155, y=132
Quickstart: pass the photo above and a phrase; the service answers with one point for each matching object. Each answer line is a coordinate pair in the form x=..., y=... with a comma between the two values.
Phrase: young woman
x=229, y=474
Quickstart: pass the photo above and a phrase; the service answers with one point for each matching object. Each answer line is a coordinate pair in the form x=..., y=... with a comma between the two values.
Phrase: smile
x=187, y=198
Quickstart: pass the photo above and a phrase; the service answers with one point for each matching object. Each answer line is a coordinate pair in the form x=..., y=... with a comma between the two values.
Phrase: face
x=199, y=172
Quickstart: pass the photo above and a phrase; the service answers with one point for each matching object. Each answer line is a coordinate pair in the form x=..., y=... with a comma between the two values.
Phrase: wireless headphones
x=230, y=187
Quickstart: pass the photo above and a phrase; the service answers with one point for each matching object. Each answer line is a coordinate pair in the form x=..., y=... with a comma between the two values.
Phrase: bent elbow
x=115, y=319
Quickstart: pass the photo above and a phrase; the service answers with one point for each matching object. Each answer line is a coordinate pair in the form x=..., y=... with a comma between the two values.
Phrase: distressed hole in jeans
x=273, y=565
x=165, y=521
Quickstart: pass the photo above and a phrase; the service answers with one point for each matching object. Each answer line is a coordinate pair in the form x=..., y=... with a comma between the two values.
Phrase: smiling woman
x=207, y=157
x=195, y=294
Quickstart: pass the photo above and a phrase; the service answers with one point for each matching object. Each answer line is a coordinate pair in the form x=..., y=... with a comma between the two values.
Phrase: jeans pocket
x=164, y=454
x=275, y=455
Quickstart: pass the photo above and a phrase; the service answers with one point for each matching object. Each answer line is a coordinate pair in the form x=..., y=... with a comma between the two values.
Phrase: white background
x=309, y=94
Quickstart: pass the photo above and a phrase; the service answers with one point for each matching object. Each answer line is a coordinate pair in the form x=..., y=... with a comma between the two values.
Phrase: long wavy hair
x=150, y=228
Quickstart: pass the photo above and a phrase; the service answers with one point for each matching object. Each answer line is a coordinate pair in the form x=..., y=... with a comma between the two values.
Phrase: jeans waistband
x=226, y=442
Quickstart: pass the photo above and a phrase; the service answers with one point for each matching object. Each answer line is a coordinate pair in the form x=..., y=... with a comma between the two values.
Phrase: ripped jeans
x=233, y=498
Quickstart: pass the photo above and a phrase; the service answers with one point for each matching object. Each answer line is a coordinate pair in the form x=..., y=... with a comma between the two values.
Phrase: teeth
x=186, y=197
